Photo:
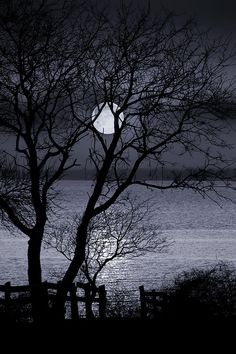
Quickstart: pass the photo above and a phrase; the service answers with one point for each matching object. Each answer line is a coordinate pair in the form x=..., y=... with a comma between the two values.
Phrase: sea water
x=202, y=233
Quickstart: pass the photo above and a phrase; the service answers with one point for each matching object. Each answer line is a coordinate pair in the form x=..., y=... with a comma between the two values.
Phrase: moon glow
x=105, y=122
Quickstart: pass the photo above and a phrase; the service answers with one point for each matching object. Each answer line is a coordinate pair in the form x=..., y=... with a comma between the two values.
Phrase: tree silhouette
x=125, y=230
x=58, y=65
x=168, y=80
x=44, y=54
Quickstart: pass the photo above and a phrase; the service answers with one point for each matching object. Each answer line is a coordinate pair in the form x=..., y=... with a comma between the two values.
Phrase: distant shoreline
x=143, y=174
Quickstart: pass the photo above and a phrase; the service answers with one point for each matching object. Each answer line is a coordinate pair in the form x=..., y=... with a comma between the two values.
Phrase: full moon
x=104, y=122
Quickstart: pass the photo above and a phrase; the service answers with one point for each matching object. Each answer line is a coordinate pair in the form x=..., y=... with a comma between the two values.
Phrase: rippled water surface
x=202, y=232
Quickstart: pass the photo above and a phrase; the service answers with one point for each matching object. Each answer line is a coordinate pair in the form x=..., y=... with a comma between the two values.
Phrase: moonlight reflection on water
x=202, y=232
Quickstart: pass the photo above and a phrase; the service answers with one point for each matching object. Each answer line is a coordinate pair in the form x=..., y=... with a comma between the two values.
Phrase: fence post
x=154, y=302
x=102, y=301
x=45, y=299
x=62, y=313
x=88, y=302
x=143, y=302
x=74, y=303
x=8, y=298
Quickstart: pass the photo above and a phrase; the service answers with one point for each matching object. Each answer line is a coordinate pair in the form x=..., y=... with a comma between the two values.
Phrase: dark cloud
x=215, y=13
x=219, y=14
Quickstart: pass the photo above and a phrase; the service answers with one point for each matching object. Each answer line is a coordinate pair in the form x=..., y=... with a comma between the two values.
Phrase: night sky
x=217, y=16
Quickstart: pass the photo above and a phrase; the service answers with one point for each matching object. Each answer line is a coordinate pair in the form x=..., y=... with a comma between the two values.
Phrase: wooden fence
x=11, y=295
x=152, y=302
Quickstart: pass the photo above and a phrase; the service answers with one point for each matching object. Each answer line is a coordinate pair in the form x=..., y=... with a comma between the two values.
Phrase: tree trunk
x=38, y=294
x=71, y=273
x=65, y=284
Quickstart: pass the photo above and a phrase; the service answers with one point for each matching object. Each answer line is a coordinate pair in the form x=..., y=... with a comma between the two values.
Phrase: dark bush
x=122, y=304
x=19, y=309
x=207, y=292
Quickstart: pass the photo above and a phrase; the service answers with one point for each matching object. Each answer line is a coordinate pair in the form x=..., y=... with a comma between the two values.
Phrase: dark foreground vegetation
x=198, y=310
x=198, y=294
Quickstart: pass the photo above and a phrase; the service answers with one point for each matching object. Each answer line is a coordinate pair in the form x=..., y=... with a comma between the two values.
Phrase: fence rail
x=91, y=295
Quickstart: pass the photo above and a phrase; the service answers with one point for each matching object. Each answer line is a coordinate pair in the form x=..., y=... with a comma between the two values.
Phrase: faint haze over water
x=177, y=163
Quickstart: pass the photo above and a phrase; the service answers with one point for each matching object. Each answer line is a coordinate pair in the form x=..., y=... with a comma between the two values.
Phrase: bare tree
x=162, y=80
x=125, y=230
x=164, y=77
x=44, y=53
